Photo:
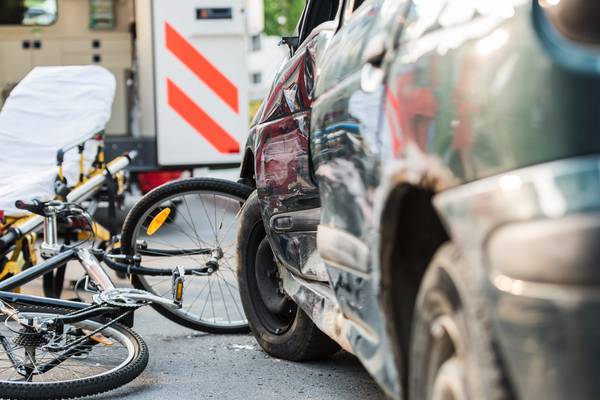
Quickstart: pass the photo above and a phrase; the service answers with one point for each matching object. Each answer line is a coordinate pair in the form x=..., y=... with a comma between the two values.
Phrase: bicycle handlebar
x=36, y=207
x=12, y=235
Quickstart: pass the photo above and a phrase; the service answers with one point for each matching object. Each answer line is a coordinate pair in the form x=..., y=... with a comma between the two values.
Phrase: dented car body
x=400, y=127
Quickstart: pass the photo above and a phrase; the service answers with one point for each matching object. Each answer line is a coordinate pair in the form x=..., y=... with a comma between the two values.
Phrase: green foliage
x=282, y=16
x=254, y=106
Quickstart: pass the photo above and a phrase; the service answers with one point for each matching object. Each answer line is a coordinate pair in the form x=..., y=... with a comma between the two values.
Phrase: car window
x=445, y=14
x=360, y=37
x=318, y=12
x=28, y=12
x=350, y=8
x=357, y=3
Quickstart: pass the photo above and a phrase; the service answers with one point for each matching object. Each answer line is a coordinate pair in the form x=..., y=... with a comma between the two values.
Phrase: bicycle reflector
x=158, y=221
x=178, y=281
x=179, y=291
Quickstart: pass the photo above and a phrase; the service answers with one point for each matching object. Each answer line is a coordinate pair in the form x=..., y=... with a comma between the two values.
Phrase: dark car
x=428, y=197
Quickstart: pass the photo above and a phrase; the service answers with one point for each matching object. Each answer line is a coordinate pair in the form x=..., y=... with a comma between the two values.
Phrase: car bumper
x=535, y=231
x=550, y=345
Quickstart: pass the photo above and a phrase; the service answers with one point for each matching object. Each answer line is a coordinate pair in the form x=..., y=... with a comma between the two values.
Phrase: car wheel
x=452, y=354
x=281, y=328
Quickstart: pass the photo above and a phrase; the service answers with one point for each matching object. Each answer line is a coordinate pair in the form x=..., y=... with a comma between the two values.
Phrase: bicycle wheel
x=29, y=371
x=188, y=223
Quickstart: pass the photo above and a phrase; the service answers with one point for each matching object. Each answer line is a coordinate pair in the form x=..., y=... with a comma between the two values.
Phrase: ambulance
x=181, y=69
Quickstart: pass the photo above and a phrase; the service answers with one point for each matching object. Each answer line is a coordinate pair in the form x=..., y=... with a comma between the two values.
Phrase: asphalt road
x=191, y=365
x=186, y=364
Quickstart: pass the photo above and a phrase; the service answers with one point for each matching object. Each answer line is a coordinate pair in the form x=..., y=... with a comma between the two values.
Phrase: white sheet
x=51, y=108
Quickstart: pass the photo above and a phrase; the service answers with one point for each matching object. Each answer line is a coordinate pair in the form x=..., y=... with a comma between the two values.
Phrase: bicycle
x=51, y=348
x=188, y=222
x=58, y=348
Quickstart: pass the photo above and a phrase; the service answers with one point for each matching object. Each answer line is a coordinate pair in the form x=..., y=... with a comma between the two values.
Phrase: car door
x=345, y=150
x=289, y=197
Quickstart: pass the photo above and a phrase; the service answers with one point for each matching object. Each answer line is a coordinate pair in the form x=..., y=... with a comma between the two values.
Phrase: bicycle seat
x=50, y=109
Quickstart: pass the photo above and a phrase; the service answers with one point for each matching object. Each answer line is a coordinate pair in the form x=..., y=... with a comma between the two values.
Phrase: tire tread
x=303, y=341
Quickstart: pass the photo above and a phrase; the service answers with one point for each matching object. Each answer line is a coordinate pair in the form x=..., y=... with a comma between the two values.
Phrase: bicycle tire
x=152, y=200
x=79, y=387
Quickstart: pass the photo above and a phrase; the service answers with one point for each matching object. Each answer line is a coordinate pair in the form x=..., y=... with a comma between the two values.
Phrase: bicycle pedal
x=178, y=284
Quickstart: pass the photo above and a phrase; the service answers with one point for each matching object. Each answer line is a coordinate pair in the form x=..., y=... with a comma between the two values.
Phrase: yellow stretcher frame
x=24, y=253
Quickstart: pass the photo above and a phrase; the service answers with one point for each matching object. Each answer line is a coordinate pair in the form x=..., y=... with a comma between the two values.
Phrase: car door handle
x=375, y=51
x=371, y=78
x=372, y=73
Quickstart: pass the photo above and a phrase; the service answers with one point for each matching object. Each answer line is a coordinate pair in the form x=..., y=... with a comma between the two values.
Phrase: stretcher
x=51, y=147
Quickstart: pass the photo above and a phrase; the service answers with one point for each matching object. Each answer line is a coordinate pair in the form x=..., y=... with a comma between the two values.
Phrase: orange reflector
x=158, y=221
x=179, y=294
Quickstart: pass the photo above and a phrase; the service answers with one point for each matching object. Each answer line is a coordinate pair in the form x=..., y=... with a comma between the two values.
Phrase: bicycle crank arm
x=133, y=298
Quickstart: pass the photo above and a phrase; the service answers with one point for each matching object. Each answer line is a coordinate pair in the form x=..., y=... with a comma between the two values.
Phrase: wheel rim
x=202, y=219
x=274, y=308
x=94, y=361
x=446, y=363
x=448, y=384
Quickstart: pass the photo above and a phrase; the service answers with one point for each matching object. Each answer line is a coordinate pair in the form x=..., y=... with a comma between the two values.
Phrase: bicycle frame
x=91, y=265
x=38, y=270
x=86, y=259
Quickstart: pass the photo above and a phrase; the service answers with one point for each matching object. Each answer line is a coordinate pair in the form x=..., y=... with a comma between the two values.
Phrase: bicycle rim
x=110, y=352
x=196, y=219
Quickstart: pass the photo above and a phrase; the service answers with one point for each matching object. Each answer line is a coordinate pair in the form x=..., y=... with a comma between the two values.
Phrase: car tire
x=453, y=354
x=289, y=334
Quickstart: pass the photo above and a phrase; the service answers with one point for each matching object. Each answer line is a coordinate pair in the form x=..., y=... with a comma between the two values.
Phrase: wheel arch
x=411, y=233
x=248, y=170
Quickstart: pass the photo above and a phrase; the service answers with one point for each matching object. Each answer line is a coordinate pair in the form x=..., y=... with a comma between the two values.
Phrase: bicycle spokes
x=197, y=230
x=72, y=352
